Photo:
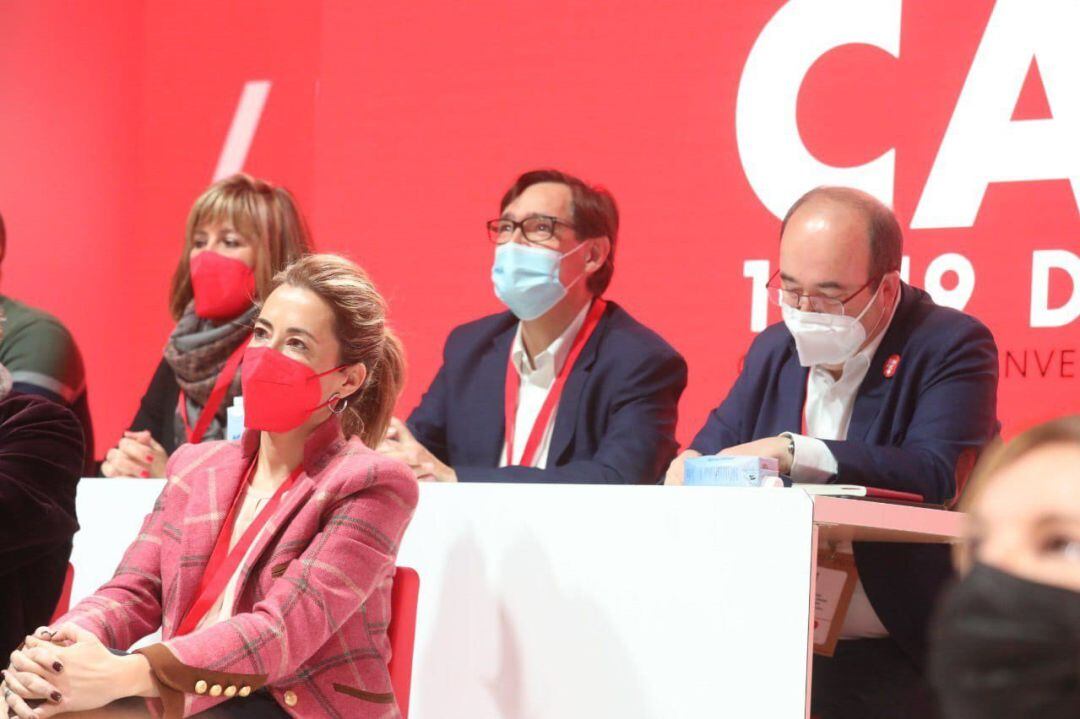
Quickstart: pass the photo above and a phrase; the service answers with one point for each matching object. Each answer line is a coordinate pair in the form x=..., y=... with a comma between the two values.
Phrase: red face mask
x=279, y=392
x=223, y=287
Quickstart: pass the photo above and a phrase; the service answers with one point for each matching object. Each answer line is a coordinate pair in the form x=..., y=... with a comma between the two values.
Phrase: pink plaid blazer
x=313, y=602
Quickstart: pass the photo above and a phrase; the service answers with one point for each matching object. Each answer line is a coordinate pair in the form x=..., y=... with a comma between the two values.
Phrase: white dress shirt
x=829, y=403
x=537, y=375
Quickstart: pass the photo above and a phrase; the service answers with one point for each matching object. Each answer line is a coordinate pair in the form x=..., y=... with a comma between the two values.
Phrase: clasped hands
x=136, y=455
x=66, y=670
x=401, y=445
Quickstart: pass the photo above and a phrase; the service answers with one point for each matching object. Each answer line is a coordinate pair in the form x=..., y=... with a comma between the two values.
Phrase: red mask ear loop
x=330, y=400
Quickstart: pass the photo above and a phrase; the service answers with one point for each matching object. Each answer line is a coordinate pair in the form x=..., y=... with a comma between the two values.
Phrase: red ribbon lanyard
x=223, y=561
x=806, y=401
x=513, y=385
x=221, y=386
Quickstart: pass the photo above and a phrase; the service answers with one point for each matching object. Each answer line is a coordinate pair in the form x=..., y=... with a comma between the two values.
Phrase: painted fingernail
x=144, y=473
x=57, y=666
x=56, y=697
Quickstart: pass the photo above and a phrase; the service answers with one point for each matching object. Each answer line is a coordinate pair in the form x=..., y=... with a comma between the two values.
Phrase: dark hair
x=3, y=239
x=594, y=214
x=882, y=229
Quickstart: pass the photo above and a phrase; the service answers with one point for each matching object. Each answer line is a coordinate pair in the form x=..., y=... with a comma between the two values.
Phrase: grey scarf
x=197, y=350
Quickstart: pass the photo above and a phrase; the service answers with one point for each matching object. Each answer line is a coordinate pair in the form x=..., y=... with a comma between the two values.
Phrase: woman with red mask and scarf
x=240, y=233
x=267, y=563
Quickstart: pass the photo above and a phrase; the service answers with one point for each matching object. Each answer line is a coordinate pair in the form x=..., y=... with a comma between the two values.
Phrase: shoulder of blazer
x=42, y=446
x=478, y=334
x=24, y=411
x=354, y=468
x=189, y=464
x=771, y=345
x=212, y=453
x=929, y=327
x=623, y=330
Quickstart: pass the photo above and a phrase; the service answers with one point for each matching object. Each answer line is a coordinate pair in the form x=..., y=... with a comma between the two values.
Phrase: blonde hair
x=999, y=455
x=267, y=216
x=360, y=326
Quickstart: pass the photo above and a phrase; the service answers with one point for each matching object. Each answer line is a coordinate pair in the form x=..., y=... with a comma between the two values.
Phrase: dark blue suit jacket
x=918, y=431
x=615, y=423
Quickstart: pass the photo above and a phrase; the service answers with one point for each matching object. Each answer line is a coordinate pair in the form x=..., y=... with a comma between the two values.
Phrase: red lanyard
x=223, y=561
x=528, y=457
x=806, y=401
x=221, y=386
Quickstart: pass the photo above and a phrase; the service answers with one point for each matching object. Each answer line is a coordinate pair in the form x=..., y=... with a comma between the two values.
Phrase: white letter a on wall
x=983, y=144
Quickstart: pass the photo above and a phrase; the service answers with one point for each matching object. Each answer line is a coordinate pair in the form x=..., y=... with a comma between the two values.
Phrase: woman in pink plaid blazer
x=304, y=630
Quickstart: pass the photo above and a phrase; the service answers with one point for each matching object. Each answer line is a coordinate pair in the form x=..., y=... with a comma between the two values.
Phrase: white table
x=540, y=601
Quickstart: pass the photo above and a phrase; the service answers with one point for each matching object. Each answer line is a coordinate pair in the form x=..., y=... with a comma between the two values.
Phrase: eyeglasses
x=816, y=303
x=537, y=230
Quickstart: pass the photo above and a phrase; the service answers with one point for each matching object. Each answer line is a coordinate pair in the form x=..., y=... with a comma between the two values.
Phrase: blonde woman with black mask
x=1006, y=644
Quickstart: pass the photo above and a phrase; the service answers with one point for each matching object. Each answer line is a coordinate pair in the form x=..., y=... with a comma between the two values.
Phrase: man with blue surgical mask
x=865, y=381
x=566, y=386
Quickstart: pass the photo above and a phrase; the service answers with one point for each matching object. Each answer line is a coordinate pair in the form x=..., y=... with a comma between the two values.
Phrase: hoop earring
x=342, y=407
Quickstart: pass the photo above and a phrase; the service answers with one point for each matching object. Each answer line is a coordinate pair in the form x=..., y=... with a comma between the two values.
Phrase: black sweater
x=157, y=410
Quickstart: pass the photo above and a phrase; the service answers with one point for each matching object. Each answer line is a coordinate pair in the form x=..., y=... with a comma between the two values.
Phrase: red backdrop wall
x=398, y=125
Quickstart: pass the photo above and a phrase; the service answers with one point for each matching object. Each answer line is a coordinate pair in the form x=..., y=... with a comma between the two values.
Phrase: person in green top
x=43, y=359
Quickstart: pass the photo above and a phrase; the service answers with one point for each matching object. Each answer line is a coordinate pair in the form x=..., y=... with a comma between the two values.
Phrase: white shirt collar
x=546, y=365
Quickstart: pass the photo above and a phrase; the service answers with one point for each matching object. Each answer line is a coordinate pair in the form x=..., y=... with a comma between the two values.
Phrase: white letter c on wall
x=776, y=162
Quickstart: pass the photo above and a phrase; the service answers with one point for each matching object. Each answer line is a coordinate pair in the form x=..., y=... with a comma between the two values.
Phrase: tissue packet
x=719, y=471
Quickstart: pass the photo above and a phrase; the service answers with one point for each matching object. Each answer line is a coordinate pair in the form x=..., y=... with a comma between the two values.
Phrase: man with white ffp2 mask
x=565, y=387
x=865, y=381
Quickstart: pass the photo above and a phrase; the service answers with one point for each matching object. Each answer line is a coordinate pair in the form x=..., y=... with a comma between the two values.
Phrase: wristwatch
x=790, y=448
